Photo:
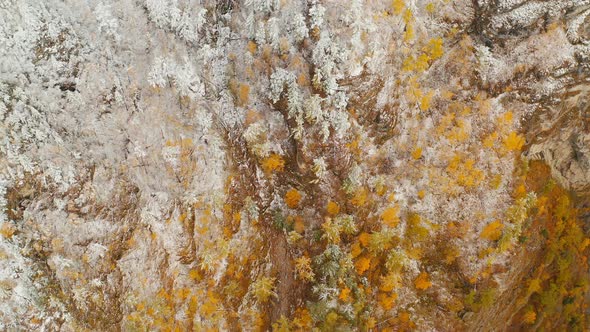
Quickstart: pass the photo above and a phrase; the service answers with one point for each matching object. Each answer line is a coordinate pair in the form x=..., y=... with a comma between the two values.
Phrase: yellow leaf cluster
x=355, y=250
x=331, y=231
x=505, y=119
x=263, y=289
x=331, y=321
x=359, y=198
x=425, y=101
x=459, y=133
x=492, y=231
x=302, y=320
x=7, y=230
x=445, y=122
x=408, y=15
x=409, y=34
x=370, y=324
x=421, y=194
x=417, y=153
x=488, y=142
x=464, y=173
x=430, y=7
x=389, y=282
x=303, y=268
x=210, y=305
x=417, y=64
x=398, y=6
x=534, y=286
x=243, y=94
x=415, y=229
x=434, y=48
x=496, y=181
x=514, y=142
x=281, y=325
x=451, y=254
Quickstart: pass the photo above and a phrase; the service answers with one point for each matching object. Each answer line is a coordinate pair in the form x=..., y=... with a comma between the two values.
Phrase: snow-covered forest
x=294, y=165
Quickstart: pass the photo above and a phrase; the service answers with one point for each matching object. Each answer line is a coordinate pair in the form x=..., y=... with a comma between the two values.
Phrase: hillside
x=290, y=165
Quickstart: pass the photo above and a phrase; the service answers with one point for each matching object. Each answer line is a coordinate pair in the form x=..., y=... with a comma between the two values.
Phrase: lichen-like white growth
x=299, y=27
x=158, y=75
x=185, y=23
x=316, y=14
x=188, y=82
x=253, y=132
x=273, y=32
x=278, y=80
x=320, y=167
x=107, y=23
x=260, y=35
x=3, y=187
x=262, y=6
x=313, y=109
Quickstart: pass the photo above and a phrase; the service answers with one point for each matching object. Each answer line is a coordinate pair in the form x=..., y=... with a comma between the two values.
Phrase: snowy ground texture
x=287, y=164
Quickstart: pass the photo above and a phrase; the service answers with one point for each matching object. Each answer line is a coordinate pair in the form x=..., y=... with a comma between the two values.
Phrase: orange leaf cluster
x=390, y=216
x=492, y=231
x=386, y=301
x=292, y=198
x=529, y=317
x=274, y=163
x=332, y=208
x=362, y=265
x=423, y=282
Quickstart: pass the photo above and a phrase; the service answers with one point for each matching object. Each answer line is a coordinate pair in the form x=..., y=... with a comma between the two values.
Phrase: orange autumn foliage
x=344, y=294
x=273, y=163
x=7, y=230
x=529, y=317
x=492, y=231
x=355, y=250
x=362, y=265
x=360, y=198
x=416, y=154
x=252, y=47
x=423, y=281
x=292, y=198
x=243, y=94
x=332, y=208
x=390, y=216
x=299, y=225
x=386, y=301
x=364, y=239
